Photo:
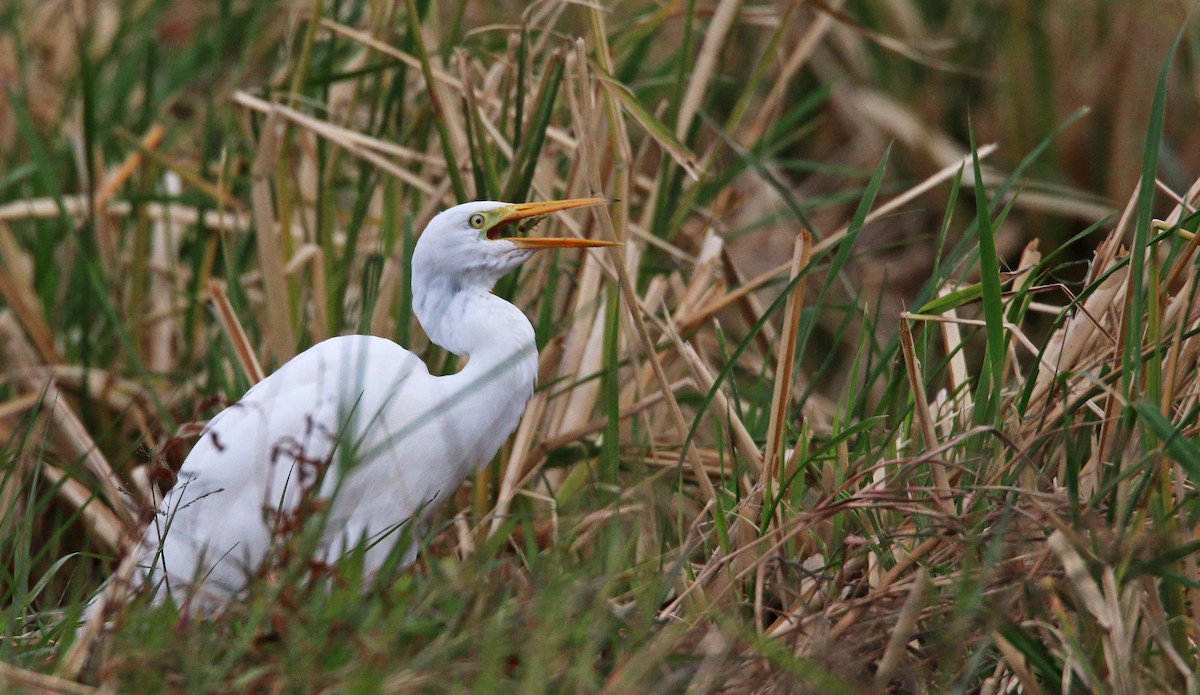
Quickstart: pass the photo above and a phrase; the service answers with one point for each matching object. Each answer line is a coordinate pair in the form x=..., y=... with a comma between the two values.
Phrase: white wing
x=350, y=403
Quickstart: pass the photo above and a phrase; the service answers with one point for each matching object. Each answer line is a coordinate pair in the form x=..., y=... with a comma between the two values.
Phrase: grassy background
x=891, y=388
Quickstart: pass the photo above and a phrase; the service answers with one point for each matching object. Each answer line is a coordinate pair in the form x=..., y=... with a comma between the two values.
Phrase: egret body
x=359, y=424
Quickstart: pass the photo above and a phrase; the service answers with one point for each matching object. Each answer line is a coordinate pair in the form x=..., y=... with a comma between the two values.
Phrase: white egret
x=359, y=424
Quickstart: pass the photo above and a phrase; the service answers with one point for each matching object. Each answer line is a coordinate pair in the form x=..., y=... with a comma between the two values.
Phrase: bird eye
x=476, y=221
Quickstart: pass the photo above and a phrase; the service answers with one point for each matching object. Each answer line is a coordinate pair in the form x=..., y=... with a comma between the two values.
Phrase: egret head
x=466, y=249
x=475, y=244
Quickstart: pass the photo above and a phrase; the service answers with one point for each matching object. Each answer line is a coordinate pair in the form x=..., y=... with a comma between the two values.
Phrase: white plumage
x=359, y=423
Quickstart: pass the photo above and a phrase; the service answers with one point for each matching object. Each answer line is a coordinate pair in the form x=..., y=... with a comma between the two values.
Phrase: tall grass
x=830, y=420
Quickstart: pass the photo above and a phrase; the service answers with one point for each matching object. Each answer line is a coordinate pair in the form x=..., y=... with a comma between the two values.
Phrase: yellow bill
x=540, y=242
x=521, y=211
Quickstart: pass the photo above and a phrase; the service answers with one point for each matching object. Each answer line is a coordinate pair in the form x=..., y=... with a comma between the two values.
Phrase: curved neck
x=491, y=390
x=494, y=334
x=470, y=320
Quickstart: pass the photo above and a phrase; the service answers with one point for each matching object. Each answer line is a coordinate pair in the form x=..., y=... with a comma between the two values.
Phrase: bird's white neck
x=470, y=320
x=501, y=372
x=494, y=334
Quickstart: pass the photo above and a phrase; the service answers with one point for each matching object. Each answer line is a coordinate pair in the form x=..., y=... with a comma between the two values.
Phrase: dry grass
x=772, y=451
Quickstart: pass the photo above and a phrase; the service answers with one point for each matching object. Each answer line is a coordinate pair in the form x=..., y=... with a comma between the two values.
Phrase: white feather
x=357, y=422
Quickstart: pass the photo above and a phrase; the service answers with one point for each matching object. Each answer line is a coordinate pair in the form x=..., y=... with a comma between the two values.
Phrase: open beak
x=523, y=211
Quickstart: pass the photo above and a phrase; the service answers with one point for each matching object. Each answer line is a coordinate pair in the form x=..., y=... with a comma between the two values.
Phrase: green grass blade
x=989, y=390
x=525, y=160
x=415, y=30
x=1136, y=305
